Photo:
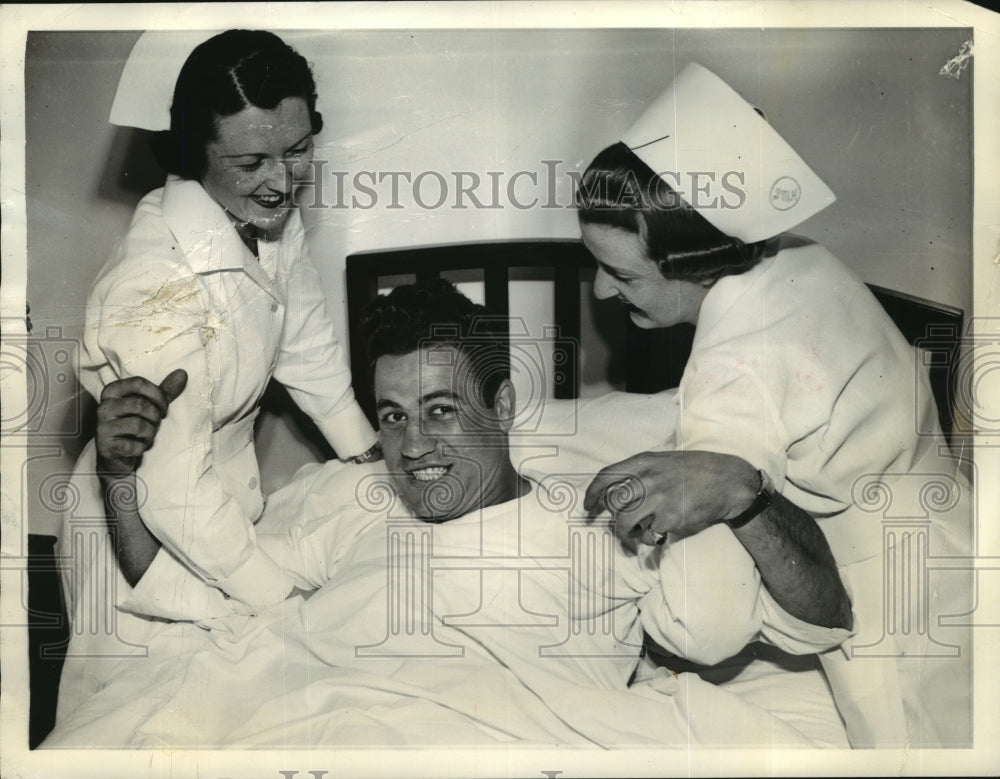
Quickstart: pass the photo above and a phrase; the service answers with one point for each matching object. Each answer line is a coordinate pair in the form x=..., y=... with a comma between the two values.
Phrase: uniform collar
x=205, y=234
x=726, y=293
x=730, y=290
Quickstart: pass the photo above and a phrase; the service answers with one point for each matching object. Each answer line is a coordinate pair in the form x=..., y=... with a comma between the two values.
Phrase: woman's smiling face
x=626, y=272
x=256, y=159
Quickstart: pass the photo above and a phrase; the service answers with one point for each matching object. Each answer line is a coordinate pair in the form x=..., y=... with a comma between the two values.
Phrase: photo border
x=17, y=20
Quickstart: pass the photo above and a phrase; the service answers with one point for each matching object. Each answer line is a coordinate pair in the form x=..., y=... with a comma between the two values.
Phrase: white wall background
x=867, y=109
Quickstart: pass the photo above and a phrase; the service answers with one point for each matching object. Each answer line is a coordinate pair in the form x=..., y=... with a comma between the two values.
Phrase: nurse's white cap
x=750, y=183
x=146, y=87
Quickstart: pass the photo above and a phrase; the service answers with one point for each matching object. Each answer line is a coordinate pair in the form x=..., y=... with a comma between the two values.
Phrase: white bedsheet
x=273, y=689
x=294, y=677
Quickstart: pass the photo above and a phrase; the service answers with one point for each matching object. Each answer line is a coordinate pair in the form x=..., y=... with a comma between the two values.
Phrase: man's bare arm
x=796, y=564
x=135, y=546
x=128, y=417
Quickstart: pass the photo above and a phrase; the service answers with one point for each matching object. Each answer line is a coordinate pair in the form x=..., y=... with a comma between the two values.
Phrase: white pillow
x=582, y=436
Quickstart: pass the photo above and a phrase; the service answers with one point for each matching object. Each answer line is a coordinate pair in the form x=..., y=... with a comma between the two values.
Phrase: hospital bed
x=791, y=689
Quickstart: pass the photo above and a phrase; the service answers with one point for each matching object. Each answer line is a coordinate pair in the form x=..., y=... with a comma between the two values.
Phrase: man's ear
x=504, y=405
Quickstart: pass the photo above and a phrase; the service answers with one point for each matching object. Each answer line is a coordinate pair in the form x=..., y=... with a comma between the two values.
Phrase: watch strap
x=374, y=452
x=763, y=498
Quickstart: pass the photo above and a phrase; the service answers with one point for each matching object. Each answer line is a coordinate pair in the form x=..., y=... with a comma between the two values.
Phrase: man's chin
x=425, y=511
x=435, y=501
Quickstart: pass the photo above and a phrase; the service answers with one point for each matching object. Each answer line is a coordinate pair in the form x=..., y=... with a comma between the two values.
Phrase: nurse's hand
x=655, y=493
x=128, y=418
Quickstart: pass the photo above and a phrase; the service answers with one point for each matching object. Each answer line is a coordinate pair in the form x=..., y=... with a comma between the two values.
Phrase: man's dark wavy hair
x=433, y=313
x=227, y=73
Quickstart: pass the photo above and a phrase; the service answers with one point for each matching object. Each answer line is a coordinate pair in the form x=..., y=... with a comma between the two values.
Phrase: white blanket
x=497, y=662
x=273, y=690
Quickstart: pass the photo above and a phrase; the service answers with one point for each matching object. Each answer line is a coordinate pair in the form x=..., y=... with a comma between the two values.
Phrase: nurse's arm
x=128, y=417
x=654, y=494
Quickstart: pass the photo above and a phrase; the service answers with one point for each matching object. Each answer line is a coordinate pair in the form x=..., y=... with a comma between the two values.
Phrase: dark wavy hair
x=224, y=75
x=432, y=312
x=620, y=190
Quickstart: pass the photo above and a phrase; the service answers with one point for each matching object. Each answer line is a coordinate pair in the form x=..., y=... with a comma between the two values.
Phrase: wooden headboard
x=937, y=330
x=568, y=261
x=654, y=359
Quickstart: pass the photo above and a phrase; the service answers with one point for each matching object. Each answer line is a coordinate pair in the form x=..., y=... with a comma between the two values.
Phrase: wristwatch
x=372, y=454
x=763, y=498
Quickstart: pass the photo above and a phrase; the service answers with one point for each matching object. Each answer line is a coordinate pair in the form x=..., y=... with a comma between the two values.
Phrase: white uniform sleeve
x=703, y=601
x=150, y=325
x=793, y=635
x=310, y=523
x=296, y=549
x=725, y=408
x=312, y=364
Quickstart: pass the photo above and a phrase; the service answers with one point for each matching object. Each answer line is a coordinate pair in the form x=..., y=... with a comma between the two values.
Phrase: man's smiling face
x=445, y=449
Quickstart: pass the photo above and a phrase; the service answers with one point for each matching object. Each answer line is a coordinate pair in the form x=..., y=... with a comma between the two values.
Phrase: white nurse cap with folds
x=724, y=159
x=146, y=86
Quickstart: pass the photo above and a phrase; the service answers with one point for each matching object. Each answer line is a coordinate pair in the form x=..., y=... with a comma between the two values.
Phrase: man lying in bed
x=456, y=600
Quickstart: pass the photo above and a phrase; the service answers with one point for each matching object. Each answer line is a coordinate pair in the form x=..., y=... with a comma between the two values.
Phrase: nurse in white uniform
x=797, y=373
x=213, y=277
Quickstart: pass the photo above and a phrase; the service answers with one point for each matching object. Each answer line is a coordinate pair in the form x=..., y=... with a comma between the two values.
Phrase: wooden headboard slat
x=496, y=280
x=566, y=289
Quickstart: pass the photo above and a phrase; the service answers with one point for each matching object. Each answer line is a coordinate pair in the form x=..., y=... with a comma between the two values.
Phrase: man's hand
x=682, y=493
x=128, y=417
